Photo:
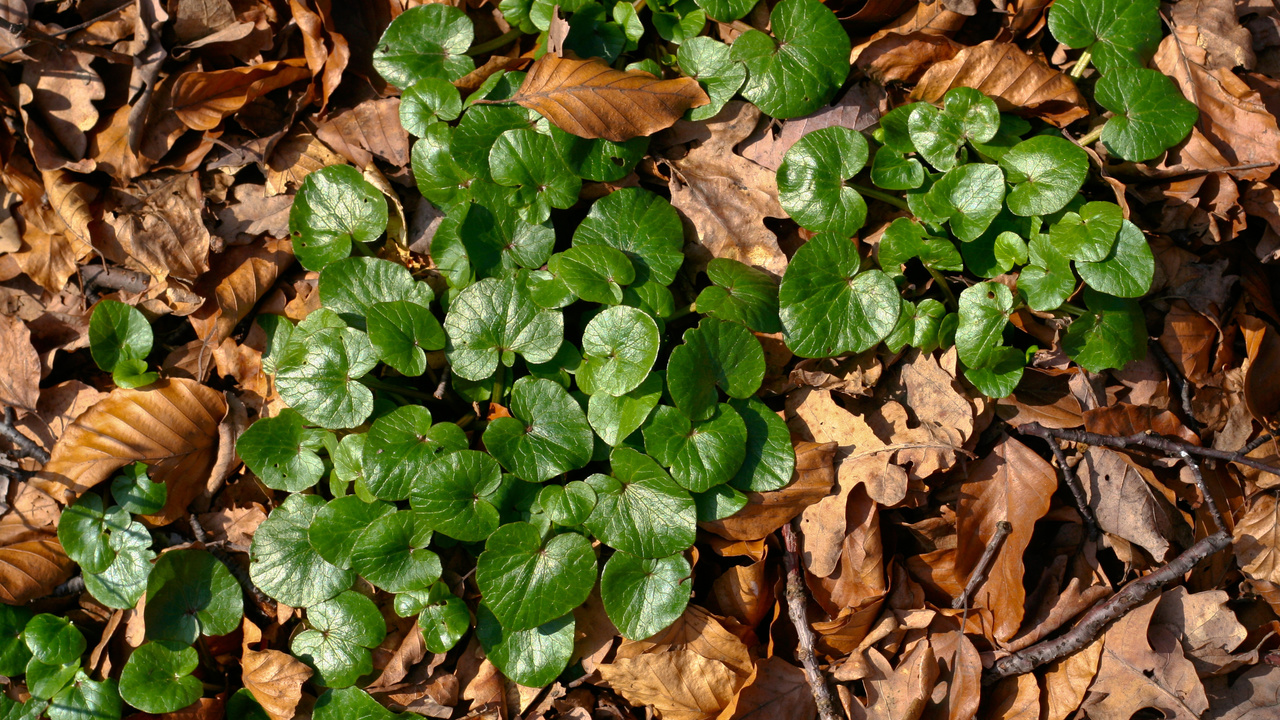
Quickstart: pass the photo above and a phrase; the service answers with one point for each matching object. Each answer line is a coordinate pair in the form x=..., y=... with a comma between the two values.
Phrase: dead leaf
x=57, y=233
x=201, y=99
x=858, y=108
x=19, y=365
x=1255, y=695
x=1066, y=680
x=589, y=99
x=1016, y=698
x=253, y=213
x=744, y=593
x=370, y=129
x=899, y=693
x=1124, y=419
x=959, y=677
x=768, y=511
x=859, y=576
x=779, y=692
x=1219, y=32
x=234, y=526
x=158, y=227
x=1257, y=539
x=1208, y=629
x=1189, y=339
x=32, y=562
x=1123, y=502
x=294, y=158
x=62, y=88
x=905, y=58
x=275, y=679
x=239, y=280
x=1261, y=392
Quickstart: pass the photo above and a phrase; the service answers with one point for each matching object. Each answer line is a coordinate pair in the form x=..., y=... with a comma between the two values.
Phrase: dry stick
x=1168, y=446
x=25, y=445
x=260, y=599
x=1077, y=490
x=979, y=574
x=1179, y=382
x=1209, y=503
x=114, y=278
x=796, y=604
x=1256, y=443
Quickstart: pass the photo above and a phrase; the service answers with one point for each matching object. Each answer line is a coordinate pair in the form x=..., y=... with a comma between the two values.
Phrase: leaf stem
x=1091, y=137
x=881, y=196
x=495, y=43
x=946, y=289
x=681, y=312
x=1077, y=70
x=362, y=249
x=499, y=378
x=376, y=384
x=1075, y=310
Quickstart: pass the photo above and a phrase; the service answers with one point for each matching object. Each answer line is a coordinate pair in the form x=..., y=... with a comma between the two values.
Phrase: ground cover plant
x=682, y=359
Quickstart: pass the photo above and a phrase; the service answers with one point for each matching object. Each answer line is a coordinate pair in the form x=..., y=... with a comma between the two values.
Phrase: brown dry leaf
x=905, y=58
x=1255, y=695
x=201, y=99
x=1063, y=593
x=858, y=108
x=768, y=511
x=959, y=677
x=61, y=85
x=860, y=575
x=194, y=19
x=1144, y=667
x=589, y=99
x=275, y=679
x=1189, y=339
x=844, y=634
x=296, y=156
x=1043, y=398
x=1014, y=484
x=779, y=692
x=1261, y=392
x=57, y=234
x=1124, y=503
x=1219, y=32
x=32, y=562
x=252, y=213
x=234, y=526
x=899, y=693
x=744, y=593
x=326, y=59
x=1208, y=629
x=1125, y=419
x=172, y=425
x=1066, y=680
x=19, y=365
x=238, y=281
x=1018, y=82
x=158, y=227
x=726, y=197
x=58, y=407
x=370, y=129
x=1257, y=539
x=1016, y=698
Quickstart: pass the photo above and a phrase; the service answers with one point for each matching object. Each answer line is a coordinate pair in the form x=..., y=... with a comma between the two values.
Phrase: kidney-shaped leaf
x=282, y=562
x=700, y=454
x=527, y=582
x=966, y=116
x=118, y=332
x=813, y=177
x=334, y=207
x=640, y=509
x=595, y=273
x=443, y=617
x=389, y=554
x=401, y=331
x=716, y=353
x=641, y=224
x=533, y=657
x=1110, y=335
x=1151, y=115
x=85, y=532
x=527, y=160
x=157, y=677
x=984, y=311
x=1090, y=234
x=643, y=596
x=318, y=375
x=741, y=294
x=801, y=67
x=770, y=458
x=337, y=527
x=342, y=632
x=619, y=346
x=970, y=197
x=547, y=435
x=453, y=495
x=351, y=286
x=399, y=447
x=191, y=593
x=495, y=319
x=1118, y=33
x=1127, y=271
x=428, y=41
x=277, y=450
x=1046, y=172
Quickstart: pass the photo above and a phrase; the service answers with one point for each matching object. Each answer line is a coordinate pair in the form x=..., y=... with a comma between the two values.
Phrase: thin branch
x=1256, y=443
x=796, y=604
x=979, y=574
x=1180, y=383
x=26, y=446
x=24, y=29
x=1159, y=443
x=114, y=278
x=1072, y=480
x=1209, y=503
x=260, y=600
x=71, y=587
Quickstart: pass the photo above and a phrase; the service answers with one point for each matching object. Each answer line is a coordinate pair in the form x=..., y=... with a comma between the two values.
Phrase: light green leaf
x=918, y=326
x=895, y=131
x=716, y=353
x=970, y=197
x=812, y=181
x=401, y=331
x=85, y=699
x=334, y=207
x=569, y=504
x=1090, y=234
x=342, y=632
x=44, y=681
x=708, y=61
x=966, y=116
x=547, y=435
x=725, y=11
x=803, y=68
x=1111, y=335
x=495, y=319
x=699, y=454
x=338, y=525
x=1151, y=115
x=453, y=495
x=277, y=451
x=1047, y=281
x=595, y=273
x=387, y=555
x=157, y=677
x=53, y=640
x=423, y=42
x=893, y=170
x=426, y=101
x=282, y=562
x=984, y=311
x=351, y=286
x=770, y=460
x=534, y=657
x=443, y=617
x=440, y=178
x=619, y=346
x=120, y=585
x=741, y=294
x=400, y=446
x=1046, y=173
x=905, y=239
x=642, y=225
x=1118, y=33
x=614, y=418
x=317, y=375
x=133, y=491
x=528, y=161
x=526, y=582
x=117, y=333
x=1001, y=374
x=190, y=593
x=640, y=509
x=351, y=703
x=644, y=596
x=85, y=529
x=479, y=129
x=1127, y=271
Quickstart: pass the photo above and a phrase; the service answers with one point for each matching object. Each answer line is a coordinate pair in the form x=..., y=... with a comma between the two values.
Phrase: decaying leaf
x=1123, y=502
x=900, y=692
x=32, y=562
x=19, y=365
x=1257, y=539
x=779, y=692
x=275, y=678
x=1067, y=680
x=202, y=99
x=768, y=511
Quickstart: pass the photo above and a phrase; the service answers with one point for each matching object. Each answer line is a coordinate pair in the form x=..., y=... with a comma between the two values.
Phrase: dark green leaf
x=719, y=503
x=423, y=42
x=644, y=596
x=1127, y=271
x=44, y=681
x=400, y=331
x=892, y=170
x=479, y=129
x=1046, y=173
x=526, y=582
x=967, y=116
x=439, y=177
x=133, y=490
x=800, y=71
x=547, y=435
x=427, y=101
x=334, y=207
x=453, y=495
x=1001, y=374
x=984, y=312
x=568, y=505
x=1047, y=281
x=642, y=225
x=495, y=319
x=1151, y=115
x=400, y=446
x=190, y=593
x=918, y=326
x=595, y=273
x=157, y=677
x=120, y=585
x=528, y=161
x=534, y=657
x=353, y=704
x=85, y=699
x=84, y=531
x=708, y=61
x=118, y=332
x=317, y=376
x=770, y=459
x=905, y=239
x=1118, y=33
x=716, y=353
x=970, y=197
x=387, y=556
x=351, y=286
x=275, y=449
x=1090, y=234
x=1111, y=335
x=640, y=509
x=699, y=454
x=337, y=526
x=342, y=632
x=741, y=294
x=54, y=640
x=283, y=563
x=812, y=181
x=614, y=418
x=619, y=346
x=14, y=652
x=442, y=616
x=726, y=11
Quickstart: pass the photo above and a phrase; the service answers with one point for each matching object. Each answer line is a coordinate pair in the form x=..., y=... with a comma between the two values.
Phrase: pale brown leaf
x=239, y=280
x=779, y=692
x=19, y=365
x=1255, y=695
x=1066, y=680
x=899, y=693
x=1016, y=698
x=959, y=676
x=32, y=562
x=194, y=19
x=1219, y=32
x=744, y=593
x=589, y=99
x=202, y=99
x=63, y=88
x=1208, y=629
x=57, y=235
x=905, y=58
x=1257, y=539
x=253, y=213
x=370, y=129
x=294, y=158
x=275, y=679
x=158, y=228
x=1123, y=502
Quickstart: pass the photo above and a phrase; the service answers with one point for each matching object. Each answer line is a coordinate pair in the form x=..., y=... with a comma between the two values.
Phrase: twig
x=114, y=278
x=796, y=603
x=26, y=446
x=443, y=385
x=1209, y=503
x=1072, y=480
x=23, y=28
x=259, y=598
x=1256, y=443
x=1179, y=382
x=1168, y=446
x=71, y=587
x=1105, y=612
x=979, y=574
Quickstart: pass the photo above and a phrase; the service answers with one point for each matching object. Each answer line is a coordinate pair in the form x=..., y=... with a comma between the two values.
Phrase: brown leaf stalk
x=797, y=601
x=979, y=574
x=1159, y=443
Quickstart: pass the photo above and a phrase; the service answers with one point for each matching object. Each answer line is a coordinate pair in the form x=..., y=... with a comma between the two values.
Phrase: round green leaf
x=528, y=161
x=337, y=527
x=479, y=129
x=1111, y=335
x=54, y=640
x=970, y=197
x=118, y=332
x=1119, y=33
x=714, y=353
x=438, y=175
x=1090, y=234
x=770, y=459
x=1047, y=281
x=351, y=286
x=1151, y=115
x=708, y=61
x=599, y=159
x=133, y=491
x=827, y=307
x=619, y=346
x=400, y=331
x=426, y=101
x=443, y=617
x=1046, y=172
x=334, y=207
x=643, y=596
x=494, y=236
x=317, y=376
x=86, y=699
x=1127, y=271
x=1001, y=374
x=895, y=130
x=121, y=584
x=84, y=531
x=812, y=181
x=386, y=555
x=400, y=445
x=453, y=495
x=351, y=703
x=342, y=631
x=984, y=311
x=918, y=326
x=283, y=563
x=424, y=42
x=966, y=116
x=741, y=294
x=800, y=71
x=191, y=593
x=526, y=582
x=700, y=454
x=726, y=11
x=595, y=273
x=568, y=505
x=719, y=503
x=157, y=677
x=892, y=170
x=640, y=509
x=533, y=657
x=1012, y=128
x=45, y=681
x=547, y=435
x=614, y=418
x=905, y=239
x=14, y=652
x=274, y=449
x=494, y=319
x=643, y=226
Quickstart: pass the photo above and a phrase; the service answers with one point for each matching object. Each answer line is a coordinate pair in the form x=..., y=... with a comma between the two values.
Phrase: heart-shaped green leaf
x=399, y=447
x=984, y=311
x=426, y=101
x=527, y=582
x=996, y=251
x=387, y=555
x=84, y=698
x=642, y=225
x=716, y=353
x=157, y=677
x=643, y=596
x=121, y=584
x=1090, y=234
x=966, y=116
x=317, y=375
x=190, y=593
x=493, y=236
x=278, y=451
x=568, y=505
x=14, y=652
x=895, y=131
x=425, y=42
x=893, y=170
x=133, y=491
x=619, y=346
x=1010, y=133
x=528, y=161
x=118, y=332
x=1118, y=33
x=699, y=454
x=905, y=239
x=614, y=418
x=1047, y=281
x=918, y=326
x=970, y=197
x=440, y=178
x=770, y=460
x=726, y=11
x=741, y=294
x=351, y=286
x=348, y=459
x=338, y=525
x=442, y=616
x=495, y=319
x=1127, y=271
x=599, y=159
x=547, y=435
x=640, y=509
x=342, y=631
x=45, y=681
x=533, y=657
x=828, y=307
x=1046, y=172
x=595, y=273
x=812, y=181
x=548, y=290
x=1151, y=115
x=401, y=331
x=283, y=563
x=351, y=703
x=708, y=61
x=334, y=207
x=1001, y=374
x=453, y=495
x=479, y=129
x=54, y=640
x=1111, y=335
x=719, y=503
x=801, y=67
x=85, y=529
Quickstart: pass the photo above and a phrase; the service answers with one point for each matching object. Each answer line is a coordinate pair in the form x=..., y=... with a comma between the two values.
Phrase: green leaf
x=244, y=706
x=1151, y=115
x=548, y=291
x=984, y=311
x=84, y=531
x=614, y=418
x=86, y=699
x=895, y=131
x=387, y=556
x=493, y=235
x=642, y=225
x=719, y=503
x=770, y=459
x=191, y=593
x=812, y=181
x=400, y=331
x=1012, y=128
x=337, y=527
x=276, y=450
x=54, y=640
x=342, y=631
x=442, y=616
x=534, y=657
x=1127, y=271
x=14, y=652
x=526, y=582
x=282, y=562
x=118, y=332
x=595, y=273
x=44, y=681
x=591, y=34
x=917, y=326
x=1046, y=173
x=708, y=61
x=714, y=353
x=699, y=454
x=479, y=129
x=334, y=207
x=351, y=286
x=828, y=307
x=440, y=178
x=599, y=159
x=893, y=170
x=528, y=161
x=640, y=509
x=400, y=446
x=1001, y=374
x=1047, y=281
x=134, y=492
x=495, y=319
x=725, y=11
x=569, y=504
x=1111, y=335
x=1089, y=234
x=547, y=435
x=426, y=101
x=353, y=704
x=425, y=42
x=741, y=294
x=1119, y=33
x=619, y=346
x=348, y=461
x=643, y=596
x=967, y=116
x=800, y=71
x=133, y=374
x=317, y=376
x=970, y=197
x=676, y=29
x=120, y=585
x=905, y=239
x=453, y=495
x=157, y=677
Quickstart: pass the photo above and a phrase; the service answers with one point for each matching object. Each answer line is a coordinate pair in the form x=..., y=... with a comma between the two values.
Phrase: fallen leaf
x=158, y=227
x=57, y=235
x=1124, y=419
x=19, y=365
x=959, y=678
x=1261, y=392
x=294, y=158
x=1219, y=32
x=905, y=58
x=201, y=99
x=32, y=562
x=327, y=51
x=57, y=408
x=275, y=679
x=1066, y=680
x=63, y=87
x=234, y=526
x=844, y=634
x=899, y=693
x=859, y=576
x=1189, y=339
x=1016, y=698
x=253, y=213
x=1255, y=695
x=1123, y=502
x=859, y=108
x=768, y=511
x=1257, y=539
x=238, y=281
x=589, y=99
x=779, y=692
x=744, y=593
x=1208, y=629
x=370, y=129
